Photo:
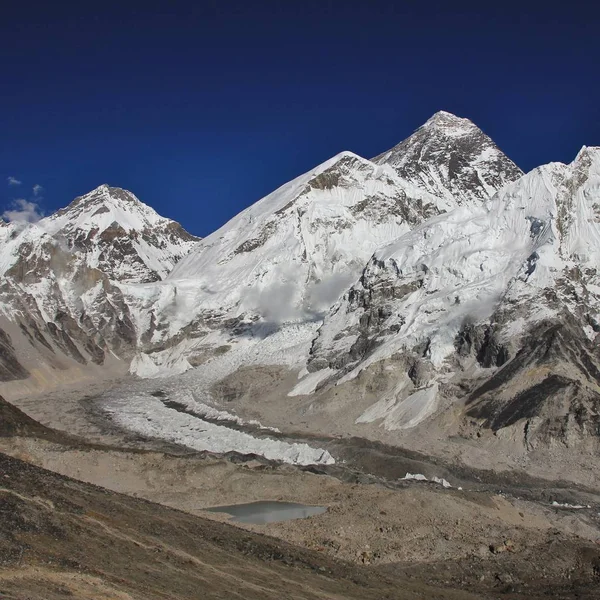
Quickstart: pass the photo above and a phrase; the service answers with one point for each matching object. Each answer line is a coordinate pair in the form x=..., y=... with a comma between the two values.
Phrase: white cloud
x=37, y=189
x=13, y=181
x=23, y=211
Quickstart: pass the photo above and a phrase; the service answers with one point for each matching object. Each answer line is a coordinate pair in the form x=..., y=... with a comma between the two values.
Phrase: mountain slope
x=124, y=238
x=288, y=257
x=496, y=306
x=436, y=284
x=60, y=537
x=105, y=276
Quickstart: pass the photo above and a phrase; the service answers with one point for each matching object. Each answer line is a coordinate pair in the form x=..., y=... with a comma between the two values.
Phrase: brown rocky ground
x=402, y=539
x=62, y=538
x=450, y=434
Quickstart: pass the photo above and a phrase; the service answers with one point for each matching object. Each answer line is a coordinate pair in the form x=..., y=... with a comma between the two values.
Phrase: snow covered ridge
x=108, y=229
x=126, y=239
x=467, y=288
x=282, y=261
x=289, y=257
x=107, y=274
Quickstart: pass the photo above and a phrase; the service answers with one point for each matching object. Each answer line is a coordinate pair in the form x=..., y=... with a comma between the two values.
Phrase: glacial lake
x=263, y=512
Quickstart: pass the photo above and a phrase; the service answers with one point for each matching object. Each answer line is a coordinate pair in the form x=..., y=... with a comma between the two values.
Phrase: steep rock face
x=10, y=367
x=476, y=295
x=550, y=390
x=61, y=277
x=452, y=158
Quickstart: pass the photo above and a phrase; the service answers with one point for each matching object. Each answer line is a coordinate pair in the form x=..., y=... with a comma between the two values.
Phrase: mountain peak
x=101, y=208
x=451, y=158
x=450, y=124
x=109, y=229
x=109, y=193
x=591, y=152
x=444, y=114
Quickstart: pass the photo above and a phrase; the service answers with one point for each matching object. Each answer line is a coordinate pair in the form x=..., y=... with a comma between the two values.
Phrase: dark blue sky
x=202, y=108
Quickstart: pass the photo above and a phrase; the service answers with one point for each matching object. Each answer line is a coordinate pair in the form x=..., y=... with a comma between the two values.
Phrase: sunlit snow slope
x=510, y=288
x=285, y=259
x=290, y=256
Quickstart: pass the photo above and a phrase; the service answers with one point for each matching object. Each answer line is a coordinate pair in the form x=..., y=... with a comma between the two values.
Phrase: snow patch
x=420, y=477
x=570, y=506
x=310, y=382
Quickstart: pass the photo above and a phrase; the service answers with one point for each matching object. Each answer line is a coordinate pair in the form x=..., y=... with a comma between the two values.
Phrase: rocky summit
x=452, y=158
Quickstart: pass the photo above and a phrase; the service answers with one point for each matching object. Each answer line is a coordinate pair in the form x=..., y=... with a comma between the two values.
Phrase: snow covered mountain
x=496, y=306
x=59, y=292
x=453, y=159
x=285, y=259
x=111, y=230
x=103, y=268
x=289, y=257
x=436, y=284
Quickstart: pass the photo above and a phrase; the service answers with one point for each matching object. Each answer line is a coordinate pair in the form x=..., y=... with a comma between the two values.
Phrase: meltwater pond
x=262, y=512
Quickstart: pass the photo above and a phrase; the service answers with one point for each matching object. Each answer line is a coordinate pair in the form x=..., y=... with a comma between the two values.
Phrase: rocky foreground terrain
x=144, y=533
x=408, y=341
